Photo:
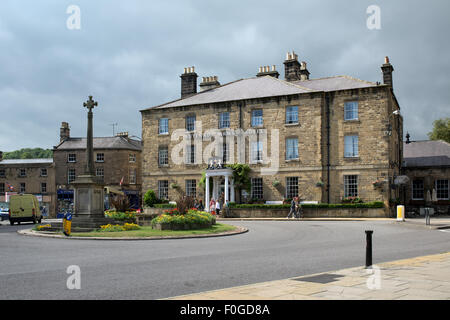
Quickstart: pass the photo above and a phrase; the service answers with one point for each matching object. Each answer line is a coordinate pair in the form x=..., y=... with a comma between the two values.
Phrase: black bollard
x=369, y=248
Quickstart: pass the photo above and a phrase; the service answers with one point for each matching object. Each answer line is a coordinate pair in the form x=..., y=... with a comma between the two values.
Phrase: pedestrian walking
x=292, y=209
x=212, y=206
x=201, y=207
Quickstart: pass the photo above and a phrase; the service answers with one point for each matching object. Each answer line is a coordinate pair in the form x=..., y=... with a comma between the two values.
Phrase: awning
x=111, y=189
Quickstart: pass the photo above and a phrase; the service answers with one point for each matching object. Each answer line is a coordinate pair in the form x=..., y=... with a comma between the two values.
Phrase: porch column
x=232, y=191
x=207, y=194
x=227, y=197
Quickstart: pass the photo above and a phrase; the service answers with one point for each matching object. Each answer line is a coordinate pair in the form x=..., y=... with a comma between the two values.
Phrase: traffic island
x=143, y=233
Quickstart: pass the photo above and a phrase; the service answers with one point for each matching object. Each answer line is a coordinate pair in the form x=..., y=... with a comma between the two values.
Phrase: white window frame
x=132, y=176
x=163, y=126
x=351, y=184
x=163, y=189
x=351, y=108
x=190, y=122
x=257, y=151
x=100, y=157
x=292, y=115
x=257, y=189
x=224, y=120
x=257, y=120
x=69, y=180
x=42, y=172
x=163, y=156
x=191, y=188
x=289, y=185
x=354, y=144
x=72, y=157
x=437, y=191
x=132, y=158
x=295, y=151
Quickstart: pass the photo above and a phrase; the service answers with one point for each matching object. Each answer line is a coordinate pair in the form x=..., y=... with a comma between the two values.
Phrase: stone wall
x=310, y=213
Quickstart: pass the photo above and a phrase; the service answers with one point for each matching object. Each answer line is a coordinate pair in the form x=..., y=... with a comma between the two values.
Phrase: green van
x=24, y=207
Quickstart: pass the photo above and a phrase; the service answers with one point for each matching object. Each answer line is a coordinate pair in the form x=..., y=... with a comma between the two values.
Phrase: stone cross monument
x=89, y=194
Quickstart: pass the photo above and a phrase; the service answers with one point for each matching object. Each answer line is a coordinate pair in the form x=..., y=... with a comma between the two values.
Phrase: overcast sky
x=129, y=55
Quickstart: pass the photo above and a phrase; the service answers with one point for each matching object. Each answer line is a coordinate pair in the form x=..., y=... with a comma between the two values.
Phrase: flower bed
x=118, y=227
x=193, y=219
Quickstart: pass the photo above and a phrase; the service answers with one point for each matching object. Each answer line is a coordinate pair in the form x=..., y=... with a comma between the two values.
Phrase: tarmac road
x=35, y=268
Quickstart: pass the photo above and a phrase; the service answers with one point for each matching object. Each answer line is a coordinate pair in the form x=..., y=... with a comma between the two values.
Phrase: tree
x=441, y=130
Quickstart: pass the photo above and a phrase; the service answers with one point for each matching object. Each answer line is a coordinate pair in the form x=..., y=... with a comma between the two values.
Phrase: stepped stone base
x=85, y=223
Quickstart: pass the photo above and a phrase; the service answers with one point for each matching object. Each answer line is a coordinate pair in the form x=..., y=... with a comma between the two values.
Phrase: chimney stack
x=188, y=82
x=293, y=69
x=64, y=131
x=387, y=69
x=267, y=71
x=209, y=83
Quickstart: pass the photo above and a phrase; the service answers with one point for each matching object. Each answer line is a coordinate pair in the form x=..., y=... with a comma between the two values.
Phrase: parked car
x=4, y=214
x=24, y=207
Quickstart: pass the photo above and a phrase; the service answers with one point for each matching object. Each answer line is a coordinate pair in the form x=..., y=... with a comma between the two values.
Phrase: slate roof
x=27, y=161
x=426, y=154
x=266, y=86
x=117, y=142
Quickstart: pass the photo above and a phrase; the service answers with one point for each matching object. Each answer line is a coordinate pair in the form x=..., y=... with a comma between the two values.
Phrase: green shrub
x=150, y=198
x=165, y=205
x=376, y=204
x=191, y=217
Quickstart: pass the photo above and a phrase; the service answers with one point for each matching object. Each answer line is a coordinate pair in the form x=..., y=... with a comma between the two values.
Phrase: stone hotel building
x=323, y=139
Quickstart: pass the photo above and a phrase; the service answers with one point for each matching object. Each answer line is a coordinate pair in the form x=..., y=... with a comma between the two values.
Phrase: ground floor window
x=191, y=188
x=257, y=188
x=2, y=188
x=43, y=187
x=163, y=189
x=22, y=187
x=417, y=189
x=351, y=186
x=442, y=189
x=291, y=187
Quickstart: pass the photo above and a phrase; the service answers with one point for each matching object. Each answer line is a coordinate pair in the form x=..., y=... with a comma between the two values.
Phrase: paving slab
x=420, y=278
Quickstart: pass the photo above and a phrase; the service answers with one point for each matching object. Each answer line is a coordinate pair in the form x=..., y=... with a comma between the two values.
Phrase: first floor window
x=291, y=115
x=190, y=154
x=43, y=172
x=225, y=152
x=2, y=173
x=417, y=189
x=351, y=110
x=163, y=126
x=351, y=186
x=351, y=146
x=257, y=151
x=100, y=172
x=191, y=190
x=43, y=187
x=224, y=120
x=163, y=189
x=132, y=175
x=70, y=175
x=190, y=123
x=22, y=172
x=291, y=187
x=100, y=157
x=257, y=118
x=442, y=189
x=291, y=148
x=22, y=187
x=163, y=156
x=72, y=157
x=257, y=188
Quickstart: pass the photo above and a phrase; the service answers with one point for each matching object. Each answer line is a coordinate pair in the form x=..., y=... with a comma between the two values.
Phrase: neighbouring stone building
x=427, y=165
x=117, y=165
x=31, y=176
x=336, y=137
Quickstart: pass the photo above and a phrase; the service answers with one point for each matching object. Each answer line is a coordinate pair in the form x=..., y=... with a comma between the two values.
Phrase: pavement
x=421, y=278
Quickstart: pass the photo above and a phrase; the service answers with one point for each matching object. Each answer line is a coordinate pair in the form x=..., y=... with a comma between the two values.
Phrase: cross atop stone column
x=90, y=104
x=90, y=170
